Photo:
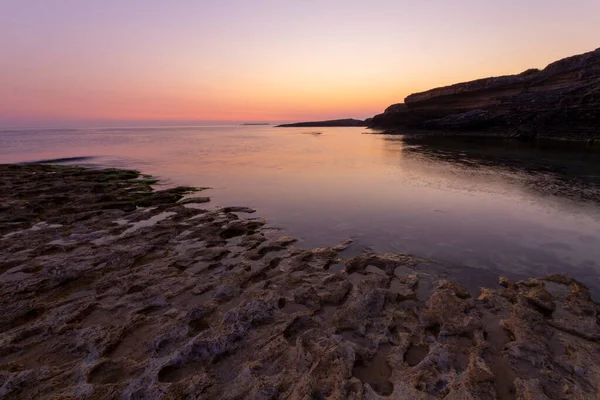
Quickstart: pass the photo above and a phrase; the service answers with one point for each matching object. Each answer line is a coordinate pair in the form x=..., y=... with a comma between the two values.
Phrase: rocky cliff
x=562, y=100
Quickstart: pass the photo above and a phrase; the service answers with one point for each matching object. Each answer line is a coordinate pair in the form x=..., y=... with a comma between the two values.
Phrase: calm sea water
x=486, y=207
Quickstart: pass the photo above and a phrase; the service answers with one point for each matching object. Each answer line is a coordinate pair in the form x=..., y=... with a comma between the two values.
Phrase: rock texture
x=562, y=100
x=334, y=122
x=102, y=300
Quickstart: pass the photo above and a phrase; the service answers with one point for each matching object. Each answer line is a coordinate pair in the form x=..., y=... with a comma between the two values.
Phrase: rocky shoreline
x=112, y=290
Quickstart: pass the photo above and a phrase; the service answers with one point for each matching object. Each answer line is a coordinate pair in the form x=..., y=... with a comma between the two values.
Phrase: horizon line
x=140, y=123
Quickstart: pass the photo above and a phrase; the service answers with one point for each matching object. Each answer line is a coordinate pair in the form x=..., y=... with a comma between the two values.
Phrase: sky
x=106, y=61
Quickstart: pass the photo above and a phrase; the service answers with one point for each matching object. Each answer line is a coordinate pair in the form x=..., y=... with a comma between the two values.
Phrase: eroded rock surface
x=172, y=301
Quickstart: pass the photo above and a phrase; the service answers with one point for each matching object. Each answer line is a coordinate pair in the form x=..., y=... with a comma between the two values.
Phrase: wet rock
x=360, y=310
x=284, y=241
x=385, y=262
x=330, y=359
x=478, y=370
x=343, y=246
x=126, y=206
x=252, y=241
x=250, y=314
x=239, y=209
x=195, y=200
x=530, y=282
x=212, y=253
x=411, y=280
x=176, y=310
x=307, y=296
x=529, y=390
x=333, y=289
x=241, y=227
x=539, y=297
x=455, y=315
x=457, y=289
x=402, y=291
x=507, y=283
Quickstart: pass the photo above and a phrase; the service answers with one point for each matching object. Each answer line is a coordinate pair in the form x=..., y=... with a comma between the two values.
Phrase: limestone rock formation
x=173, y=301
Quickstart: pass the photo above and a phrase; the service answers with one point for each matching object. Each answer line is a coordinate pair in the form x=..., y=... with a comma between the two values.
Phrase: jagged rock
x=176, y=310
x=507, y=283
x=457, y=289
x=455, y=315
x=541, y=298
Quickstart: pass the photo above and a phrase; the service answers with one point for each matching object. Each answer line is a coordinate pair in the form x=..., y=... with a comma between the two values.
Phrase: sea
x=479, y=207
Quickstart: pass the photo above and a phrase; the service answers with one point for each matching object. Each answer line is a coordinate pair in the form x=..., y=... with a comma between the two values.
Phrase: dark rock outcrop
x=333, y=122
x=562, y=100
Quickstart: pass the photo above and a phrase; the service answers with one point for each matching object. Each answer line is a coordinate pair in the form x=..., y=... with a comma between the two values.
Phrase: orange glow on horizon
x=278, y=61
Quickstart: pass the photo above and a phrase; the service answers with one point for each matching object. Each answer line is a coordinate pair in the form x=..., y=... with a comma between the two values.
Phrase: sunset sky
x=106, y=61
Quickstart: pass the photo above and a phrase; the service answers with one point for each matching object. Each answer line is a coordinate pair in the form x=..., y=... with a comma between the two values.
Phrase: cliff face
x=562, y=100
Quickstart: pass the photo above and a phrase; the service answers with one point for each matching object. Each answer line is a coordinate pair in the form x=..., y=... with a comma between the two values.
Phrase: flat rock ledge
x=111, y=290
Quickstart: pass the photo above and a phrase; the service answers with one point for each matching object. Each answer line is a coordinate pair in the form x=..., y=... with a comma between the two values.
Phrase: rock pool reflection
x=477, y=208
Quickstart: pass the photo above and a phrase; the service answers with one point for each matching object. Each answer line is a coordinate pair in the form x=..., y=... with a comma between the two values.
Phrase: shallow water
x=496, y=207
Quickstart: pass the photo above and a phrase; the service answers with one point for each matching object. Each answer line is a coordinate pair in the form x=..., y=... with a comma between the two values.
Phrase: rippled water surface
x=488, y=206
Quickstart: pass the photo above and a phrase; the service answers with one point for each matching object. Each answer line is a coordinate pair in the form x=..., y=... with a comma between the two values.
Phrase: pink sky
x=73, y=61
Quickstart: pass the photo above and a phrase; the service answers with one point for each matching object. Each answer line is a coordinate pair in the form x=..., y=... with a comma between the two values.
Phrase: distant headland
x=329, y=123
x=256, y=123
x=560, y=101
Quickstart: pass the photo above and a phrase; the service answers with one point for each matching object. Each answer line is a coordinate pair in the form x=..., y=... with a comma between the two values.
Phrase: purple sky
x=89, y=60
